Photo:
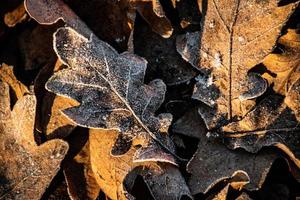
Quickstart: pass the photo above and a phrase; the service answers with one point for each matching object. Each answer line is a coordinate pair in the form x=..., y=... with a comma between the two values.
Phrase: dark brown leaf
x=110, y=88
x=164, y=61
x=49, y=12
x=213, y=162
x=271, y=123
x=50, y=120
x=37, y=51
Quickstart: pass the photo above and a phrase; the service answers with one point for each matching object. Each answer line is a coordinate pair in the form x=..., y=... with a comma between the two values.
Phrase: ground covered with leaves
x=150, y=99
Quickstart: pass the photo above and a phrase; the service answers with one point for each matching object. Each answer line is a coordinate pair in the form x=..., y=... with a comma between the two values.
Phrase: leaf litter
x=232, y=87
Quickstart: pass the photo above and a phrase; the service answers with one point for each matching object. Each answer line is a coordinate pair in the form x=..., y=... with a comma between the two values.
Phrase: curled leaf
x=152, y=12
x=285, y=65
x=49, y=12
x=16, y=16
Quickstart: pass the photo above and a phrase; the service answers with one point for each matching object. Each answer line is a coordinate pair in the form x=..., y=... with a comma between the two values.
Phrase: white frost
x=217, y=60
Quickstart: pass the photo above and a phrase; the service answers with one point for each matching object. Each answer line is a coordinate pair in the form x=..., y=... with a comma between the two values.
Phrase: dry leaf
x=213, y=162
x=7, y=76
x=36, y=51
x=152, y=12
x=285, y=65
x=51, y=121
x=16, y=16
x=228, y=50
x=112, y=173
x=164, y=61
x=238, y=180
x=49, y=12
x=271, y=123
x=243, y=196
x=77, y=169
x=110, y=88
x=26, y=169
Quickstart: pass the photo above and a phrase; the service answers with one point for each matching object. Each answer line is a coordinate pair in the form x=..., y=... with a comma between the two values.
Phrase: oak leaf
x=228, y=49
x=112, y=95
x=26, y=169
x=116, y=175
x=110, y=89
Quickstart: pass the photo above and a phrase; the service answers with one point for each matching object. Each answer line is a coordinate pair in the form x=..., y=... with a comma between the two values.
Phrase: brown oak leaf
x=236, y=35
x=116, y=175
x=26, y=169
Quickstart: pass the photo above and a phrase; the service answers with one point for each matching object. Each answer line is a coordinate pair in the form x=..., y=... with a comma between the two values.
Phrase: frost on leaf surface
x=110, y=89
x=236, y=35
x=274, y=122
x=26, y=169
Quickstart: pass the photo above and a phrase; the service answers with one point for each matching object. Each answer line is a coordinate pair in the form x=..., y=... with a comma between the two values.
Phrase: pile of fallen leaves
x=150, y=99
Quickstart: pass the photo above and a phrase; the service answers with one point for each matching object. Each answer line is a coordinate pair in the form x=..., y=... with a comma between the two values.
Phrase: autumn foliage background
x=149, y=99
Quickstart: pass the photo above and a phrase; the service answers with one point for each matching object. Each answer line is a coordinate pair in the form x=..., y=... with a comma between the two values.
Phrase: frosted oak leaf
x=110, y=89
